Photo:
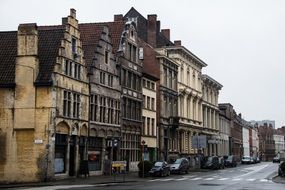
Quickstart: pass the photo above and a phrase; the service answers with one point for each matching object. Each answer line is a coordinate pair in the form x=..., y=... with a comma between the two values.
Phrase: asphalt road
x=243, y=177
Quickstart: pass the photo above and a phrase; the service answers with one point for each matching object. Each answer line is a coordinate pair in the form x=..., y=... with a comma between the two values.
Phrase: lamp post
x=143, y=143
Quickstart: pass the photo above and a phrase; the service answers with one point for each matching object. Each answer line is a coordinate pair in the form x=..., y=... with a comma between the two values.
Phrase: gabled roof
x=48, y=50
x=8, y=53
x=49, y=40
x=91, y=34
x=161, y=40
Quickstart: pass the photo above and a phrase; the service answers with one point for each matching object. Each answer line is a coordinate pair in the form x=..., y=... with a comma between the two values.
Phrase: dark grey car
x=160, y=169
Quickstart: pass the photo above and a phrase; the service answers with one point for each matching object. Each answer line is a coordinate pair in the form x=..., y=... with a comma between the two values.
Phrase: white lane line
x=169, y=179
x=250, y=179
x=194, y=179
x=236, y=179
x=154, y=180
x=264, y=180
x=181, y=179
x=209, y=179
x=223, y=179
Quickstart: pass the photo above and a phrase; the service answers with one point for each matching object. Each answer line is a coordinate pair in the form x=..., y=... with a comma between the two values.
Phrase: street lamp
x=143, y=143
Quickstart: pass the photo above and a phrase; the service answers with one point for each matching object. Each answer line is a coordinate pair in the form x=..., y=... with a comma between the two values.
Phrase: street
x=243, y=177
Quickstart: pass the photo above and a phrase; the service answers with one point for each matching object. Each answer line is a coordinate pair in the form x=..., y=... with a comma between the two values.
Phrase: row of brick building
x=102, y=91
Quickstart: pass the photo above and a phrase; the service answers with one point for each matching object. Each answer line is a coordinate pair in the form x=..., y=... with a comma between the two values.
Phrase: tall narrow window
x=148, y=102
x=148, y=126
x=124, y=75
x=134, y=54
x=134, y=82
x=130, y=77
x=152, y=127
x=67, y=103
x=144, y=127
x=73, y=45
x=165, y=75
x=106, y=57
x=76, y=105
x=102, y=78
x=130, y=51
x=92, y=108
x=152, y=103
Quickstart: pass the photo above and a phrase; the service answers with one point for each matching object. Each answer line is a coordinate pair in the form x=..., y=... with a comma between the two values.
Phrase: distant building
x=279, y=143
x=266, y=142
x=263, y=122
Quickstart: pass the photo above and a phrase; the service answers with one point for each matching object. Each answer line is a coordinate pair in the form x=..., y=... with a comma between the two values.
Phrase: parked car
x=160, y=169
x=247, y=160
x=180, y=166
x=257, y=159
x=231, y=161
x=252, y=160
x=212, y=162
x=276, y=159
x=221, y=163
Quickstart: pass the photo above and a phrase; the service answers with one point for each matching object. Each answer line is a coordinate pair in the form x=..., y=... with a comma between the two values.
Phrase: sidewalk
x=128, y=178
x=279, y=179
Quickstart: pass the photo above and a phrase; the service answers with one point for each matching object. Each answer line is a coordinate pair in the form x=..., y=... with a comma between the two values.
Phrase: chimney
x=158, y=26
x=73, y=13
x=28, y=39
x=26, y=71
x=166, y=33
x=151, y=29
x=71, y=19
x=119, y=17
x=177, y=43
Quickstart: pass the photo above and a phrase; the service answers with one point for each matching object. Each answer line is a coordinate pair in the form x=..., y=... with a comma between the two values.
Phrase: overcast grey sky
x=242, y=41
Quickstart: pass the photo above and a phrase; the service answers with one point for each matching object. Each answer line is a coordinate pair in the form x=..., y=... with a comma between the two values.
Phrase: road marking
x=236, y=179
x=250, y=179
x=255, y=169
x=154, y=180
x=169, y=179
x=223, y=179
x=209, y=179
x=181, y=179
x=194, y=179
x=264, y=180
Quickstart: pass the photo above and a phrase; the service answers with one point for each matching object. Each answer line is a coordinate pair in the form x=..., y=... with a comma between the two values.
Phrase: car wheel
x=168, y=174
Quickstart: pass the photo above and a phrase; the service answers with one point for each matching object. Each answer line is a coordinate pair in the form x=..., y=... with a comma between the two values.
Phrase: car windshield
x=158, y=164
x=178, y=161
x=210, y=159
x=230, y=158
x=245, y=157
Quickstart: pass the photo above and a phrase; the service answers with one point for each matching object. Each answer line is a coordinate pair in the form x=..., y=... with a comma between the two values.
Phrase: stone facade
x=189, y=89
x=131, y=78
x=46, y=114
x=105, y=96
x=149, y=130
x=224, y=133
x=210, y=91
